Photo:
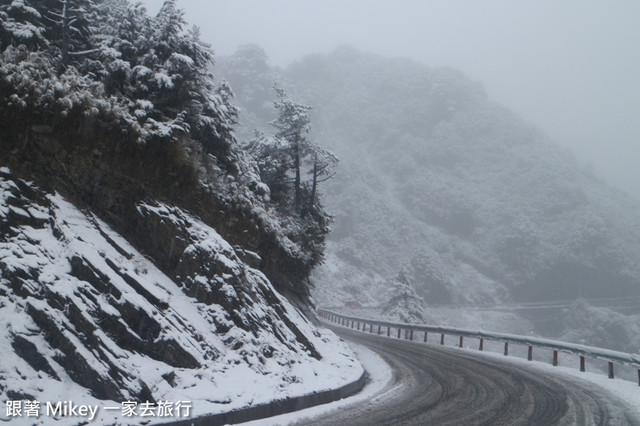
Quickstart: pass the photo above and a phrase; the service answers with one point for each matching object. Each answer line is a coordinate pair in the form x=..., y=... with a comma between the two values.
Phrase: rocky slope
x=85, y=316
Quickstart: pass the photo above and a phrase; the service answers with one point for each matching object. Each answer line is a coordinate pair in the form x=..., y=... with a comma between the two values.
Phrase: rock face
x=81, y=307
x=97, y=168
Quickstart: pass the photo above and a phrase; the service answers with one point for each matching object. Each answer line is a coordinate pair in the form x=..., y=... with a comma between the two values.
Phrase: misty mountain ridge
x=474, y=204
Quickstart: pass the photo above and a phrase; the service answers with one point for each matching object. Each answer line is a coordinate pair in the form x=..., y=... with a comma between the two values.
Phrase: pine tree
x=252, y=81
x=22, y=24
x=403, y=301
x=154, y=69
x=173, y=75
x=271, y=156
x=293, y=125
x=69, y=27
x=323, y=163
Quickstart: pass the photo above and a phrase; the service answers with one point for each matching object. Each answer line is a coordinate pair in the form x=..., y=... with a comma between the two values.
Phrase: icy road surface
x=440, y=385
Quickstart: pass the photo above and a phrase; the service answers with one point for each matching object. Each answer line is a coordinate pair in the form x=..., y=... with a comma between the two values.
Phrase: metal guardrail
x=532, y=342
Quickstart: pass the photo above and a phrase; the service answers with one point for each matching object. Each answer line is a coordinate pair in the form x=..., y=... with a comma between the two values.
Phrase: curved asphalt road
x=437, y=385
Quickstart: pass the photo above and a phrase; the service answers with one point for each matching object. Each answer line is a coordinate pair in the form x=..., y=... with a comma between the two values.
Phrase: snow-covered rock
x=84, y=316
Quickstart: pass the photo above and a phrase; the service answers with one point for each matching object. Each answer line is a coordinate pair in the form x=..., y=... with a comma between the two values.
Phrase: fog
x=569, y=67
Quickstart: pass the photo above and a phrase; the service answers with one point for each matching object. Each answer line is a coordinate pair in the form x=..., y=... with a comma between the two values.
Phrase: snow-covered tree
x=160, y=62
x=402, y=301
x=291, y=148
x=273, y=163
x=69, y=25
x=284, y=160
x=156, y=70
x=21, y=24
x=252, y=81
x=323, y=163
x=293, y=125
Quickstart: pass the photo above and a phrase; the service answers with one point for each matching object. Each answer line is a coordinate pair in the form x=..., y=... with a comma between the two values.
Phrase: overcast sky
x=572, y=67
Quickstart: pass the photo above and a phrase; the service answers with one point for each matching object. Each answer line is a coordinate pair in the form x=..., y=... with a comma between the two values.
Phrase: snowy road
x=440, y=385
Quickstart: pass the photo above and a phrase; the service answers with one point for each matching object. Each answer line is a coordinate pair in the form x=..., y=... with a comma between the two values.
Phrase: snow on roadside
x=379, y=373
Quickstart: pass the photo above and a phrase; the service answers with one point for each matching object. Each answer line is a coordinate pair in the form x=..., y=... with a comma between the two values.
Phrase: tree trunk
x=296, y=154
x=65, y=34
x=314, y=186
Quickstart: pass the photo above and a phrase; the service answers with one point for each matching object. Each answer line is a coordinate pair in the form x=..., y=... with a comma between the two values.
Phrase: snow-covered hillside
x=85, y=317
x=475, y=205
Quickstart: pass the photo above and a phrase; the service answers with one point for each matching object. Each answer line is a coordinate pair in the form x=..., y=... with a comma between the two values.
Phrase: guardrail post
x=609, y=356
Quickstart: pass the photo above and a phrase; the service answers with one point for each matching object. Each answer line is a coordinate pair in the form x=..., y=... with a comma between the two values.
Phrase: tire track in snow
x=443, y=385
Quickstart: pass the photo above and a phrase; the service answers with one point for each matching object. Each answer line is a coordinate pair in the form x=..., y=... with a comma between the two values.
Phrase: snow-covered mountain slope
x=85, y=316
x=474, y=203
